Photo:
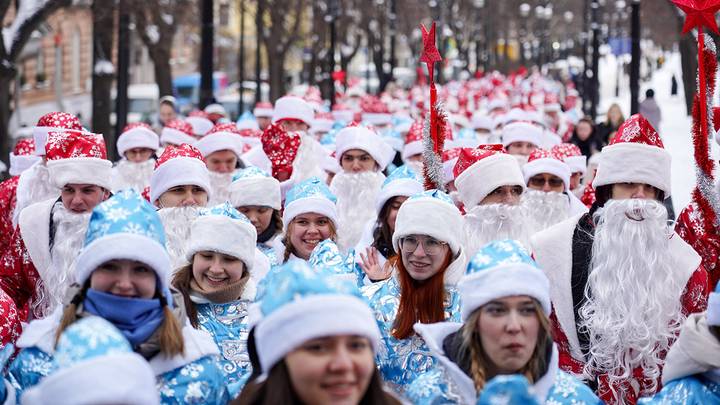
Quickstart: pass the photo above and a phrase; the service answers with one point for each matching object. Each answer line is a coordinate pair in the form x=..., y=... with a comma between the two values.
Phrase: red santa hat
x=544, y=161
x=23, y=156
x=635, y=155
x=221, y=137
x=450, y=158
x=572, y=156
x=179, y=166
x=375, y=111
x=293, y=108
x=413, y=140
x=359, y=137
x=76, y=157
x=54, y=121
x=200, y=122
x=263, y=109
x=177, y=132
x=522, y=132
x=481, y=170
x=137, y=135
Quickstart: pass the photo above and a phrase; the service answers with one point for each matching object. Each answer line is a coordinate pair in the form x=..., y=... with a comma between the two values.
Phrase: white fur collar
x=34, y=223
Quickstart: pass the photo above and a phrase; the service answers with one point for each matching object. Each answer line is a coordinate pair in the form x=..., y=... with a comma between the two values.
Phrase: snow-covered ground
x=674, y=127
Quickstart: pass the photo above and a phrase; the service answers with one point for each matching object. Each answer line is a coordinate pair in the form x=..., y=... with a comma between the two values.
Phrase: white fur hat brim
x=364, y=139
x=290, y=326
x=174, y=137
x=261, y=191
x=179, y=171
x=139, y=137
x=432, y=217
x=578, y=164
x=713, y=309
x=485, y=175
x=522, y=132
x=477, y=289
x=263, y=112
x=200, y=125
x=412, y=148
x=80, y=170
x=217, y=233
x=294, y=108
x=218, y=141
x=377, y=118
x=397, y=188
x=20, y=163
x=548, y=165
x=634, y=163
x=316, y=205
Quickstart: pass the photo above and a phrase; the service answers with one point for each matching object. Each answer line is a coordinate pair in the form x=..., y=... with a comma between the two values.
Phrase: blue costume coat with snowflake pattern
x=447, y=383
x=698, y=389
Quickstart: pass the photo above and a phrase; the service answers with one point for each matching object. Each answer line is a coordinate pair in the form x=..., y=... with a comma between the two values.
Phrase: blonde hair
x=289, y=248
x=471, y=347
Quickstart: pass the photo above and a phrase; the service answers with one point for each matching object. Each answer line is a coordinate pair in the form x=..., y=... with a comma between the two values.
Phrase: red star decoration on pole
x=430, y=52
x=699, y=13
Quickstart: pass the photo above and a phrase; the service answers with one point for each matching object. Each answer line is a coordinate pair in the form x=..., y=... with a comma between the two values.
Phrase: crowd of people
x=298, y=255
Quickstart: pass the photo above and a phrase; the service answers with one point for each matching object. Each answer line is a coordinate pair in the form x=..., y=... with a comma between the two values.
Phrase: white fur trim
x=98, y=380
x=218, y=141
x=20, y=163
x=317, y=205
x=522, y=132
x=578, y=164
x=477, y=289
x=123, y=246
x=177, y=172
x=290, y=107
x=257, y=157
x=200, y=125
x=448, y=170
x=377, y=118
x=217, y=233
x=262, y=191
x=412, y=148
x=634, y=163
x=263, y=112
x=297, y=322
x=397, y=188
x=138, y=137
x=34, y=225
x=485, y=175
x=343, y=115
x=364, y=139
x=713, y=309
x=80, y=170
x=174, y=137
x=198, y=344
x=547, y=165
x=40, y=135
x=432, y=217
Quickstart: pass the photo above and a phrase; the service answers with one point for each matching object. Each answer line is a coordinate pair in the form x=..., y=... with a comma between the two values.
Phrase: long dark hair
x=275, y=227
x=382, y=235
x=181, y=282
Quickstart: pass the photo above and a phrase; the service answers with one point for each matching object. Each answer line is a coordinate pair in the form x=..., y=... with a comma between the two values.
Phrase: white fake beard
x=486, y=223
x=543, y=210
x=356, y=194
x=633, y=310
x=176, y=222
x=127, y=174
x=34, y=187
x=70, y=230
x=220, y=185
x=307, y=161
x=521, y=159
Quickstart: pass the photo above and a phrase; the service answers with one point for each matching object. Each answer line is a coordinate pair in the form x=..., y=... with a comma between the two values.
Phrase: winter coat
x=448, y=383
x=690, y=227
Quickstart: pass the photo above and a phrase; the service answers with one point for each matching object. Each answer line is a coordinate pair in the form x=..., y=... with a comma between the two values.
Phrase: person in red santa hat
x=137, y=144
x=34, y=184
x=177, y=132
x=623, y=281
x=222, y=147
x=200, y=122
x=37, y=269
x=490, y=185
x=263, y=113
x=521, y=138
x=293, y=114
x=573, y=157
x=216, y=113
x=179, y=186
x=413, y=149
x=22, y=158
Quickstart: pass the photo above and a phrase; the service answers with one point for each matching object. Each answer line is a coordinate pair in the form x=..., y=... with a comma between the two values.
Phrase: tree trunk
x=276, y=68
x=688, y=59
x=163, y=73
x=103, y=23
x=5, y=82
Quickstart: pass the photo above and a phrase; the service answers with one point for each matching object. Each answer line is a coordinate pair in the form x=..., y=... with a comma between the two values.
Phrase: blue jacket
x=699, y=389
x=448, y=383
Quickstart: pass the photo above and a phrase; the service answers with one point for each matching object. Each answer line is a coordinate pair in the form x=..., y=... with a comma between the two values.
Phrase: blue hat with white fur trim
x=311, y=195
x=431, y=213
x=125, y=226
x=254, y=186
x=292, y=308
x=502, y=269
x=403, y=181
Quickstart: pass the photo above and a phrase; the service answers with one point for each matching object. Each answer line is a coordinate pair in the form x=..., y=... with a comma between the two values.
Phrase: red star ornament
x=430, y=52
x=699, y=13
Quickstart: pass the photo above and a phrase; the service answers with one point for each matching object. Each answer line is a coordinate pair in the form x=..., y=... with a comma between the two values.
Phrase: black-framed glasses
x=541, y=181
x=431, y=246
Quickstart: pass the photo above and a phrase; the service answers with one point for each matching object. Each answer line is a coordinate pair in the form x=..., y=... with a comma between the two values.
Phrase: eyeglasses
x=430, y=246
x=541, y=181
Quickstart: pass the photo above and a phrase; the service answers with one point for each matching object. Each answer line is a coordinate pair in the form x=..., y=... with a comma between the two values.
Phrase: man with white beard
x=38, y=267
x=221, y=147
x=490, y=184
x=179, y=185
x=623, y=281
x=137, y=144
x=362, y=155
x=548, y=199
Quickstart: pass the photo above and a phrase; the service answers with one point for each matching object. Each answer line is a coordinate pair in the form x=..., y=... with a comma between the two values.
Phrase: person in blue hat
x=257, y=195
x=219, y=284
x=505, y=329
x=122, y=275
x=421, y=287
x=310, y=216
x=305, y=356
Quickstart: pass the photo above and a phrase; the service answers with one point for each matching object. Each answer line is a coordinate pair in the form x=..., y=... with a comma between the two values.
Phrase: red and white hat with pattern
x=544, y=161
x=54, y=121
x=77, y=157
x=263, y=109
x=479, y=171
x=572, y=156
x=137, y=135
x=179, y=166
x=23, y=156
x=413, y=140
x=521, y=131
x=200, y=122
x=635, y=155
x=281, y=148
x=450, y=158
x=177, y=132
x=293, y=108
x=221, y=137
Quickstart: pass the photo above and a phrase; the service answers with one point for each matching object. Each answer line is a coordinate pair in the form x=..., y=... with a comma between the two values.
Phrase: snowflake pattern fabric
x=74, y=144
x=281, y=148
x=60, y=120
x=690, y=227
